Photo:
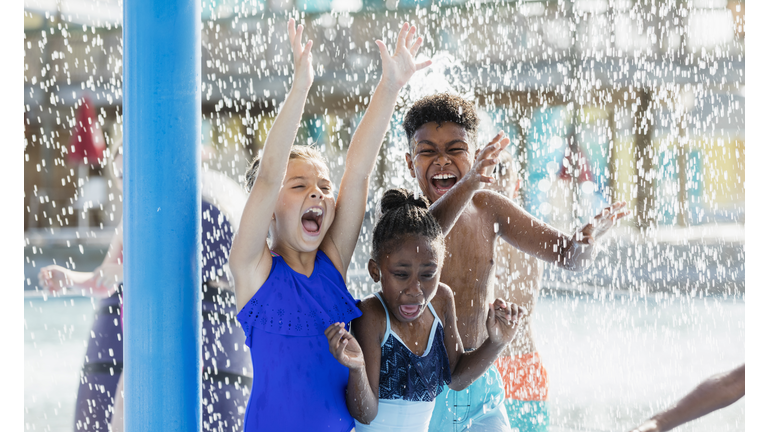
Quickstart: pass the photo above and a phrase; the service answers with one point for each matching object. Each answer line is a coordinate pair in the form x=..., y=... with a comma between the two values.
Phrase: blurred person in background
x=227, y=372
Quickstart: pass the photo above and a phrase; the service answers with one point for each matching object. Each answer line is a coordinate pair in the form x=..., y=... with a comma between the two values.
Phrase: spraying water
x=603, y=101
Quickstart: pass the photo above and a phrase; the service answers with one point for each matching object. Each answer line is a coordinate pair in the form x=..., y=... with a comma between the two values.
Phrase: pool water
x=612, y=360
x=56, y=331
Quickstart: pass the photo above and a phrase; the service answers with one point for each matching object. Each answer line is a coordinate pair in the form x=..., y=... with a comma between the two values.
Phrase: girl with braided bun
x=407, y=340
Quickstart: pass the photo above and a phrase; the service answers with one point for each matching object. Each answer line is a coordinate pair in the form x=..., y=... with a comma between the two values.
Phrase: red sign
x=87, y=142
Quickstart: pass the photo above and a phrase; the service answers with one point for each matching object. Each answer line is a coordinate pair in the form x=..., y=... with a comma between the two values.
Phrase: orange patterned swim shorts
x=524, y=376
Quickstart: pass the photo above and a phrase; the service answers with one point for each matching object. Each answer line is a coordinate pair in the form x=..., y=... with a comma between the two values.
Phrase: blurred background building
x=604, y=99
x=642, y=101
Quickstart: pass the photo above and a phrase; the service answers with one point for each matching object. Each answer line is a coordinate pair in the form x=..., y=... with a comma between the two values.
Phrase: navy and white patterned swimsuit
x=408, y=384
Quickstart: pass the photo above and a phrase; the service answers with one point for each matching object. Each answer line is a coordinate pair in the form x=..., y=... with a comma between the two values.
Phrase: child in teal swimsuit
x=287, y=295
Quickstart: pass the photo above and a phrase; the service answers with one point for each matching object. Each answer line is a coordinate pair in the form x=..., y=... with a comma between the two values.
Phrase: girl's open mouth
x=311, y=220
x=443, y=181
x=410, y=311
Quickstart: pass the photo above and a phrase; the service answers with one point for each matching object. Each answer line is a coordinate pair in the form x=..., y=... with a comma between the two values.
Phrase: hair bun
x=397, y=198
x=400, y=216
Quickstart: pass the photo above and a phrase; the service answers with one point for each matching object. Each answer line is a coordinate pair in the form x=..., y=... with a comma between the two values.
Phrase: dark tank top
x=407, y=376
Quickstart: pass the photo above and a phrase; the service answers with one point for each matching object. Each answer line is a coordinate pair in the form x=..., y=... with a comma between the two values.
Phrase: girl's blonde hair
x=297, y=152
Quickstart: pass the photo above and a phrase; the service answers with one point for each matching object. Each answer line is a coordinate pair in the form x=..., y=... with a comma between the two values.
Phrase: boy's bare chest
x=469, y=260
x=469, y=272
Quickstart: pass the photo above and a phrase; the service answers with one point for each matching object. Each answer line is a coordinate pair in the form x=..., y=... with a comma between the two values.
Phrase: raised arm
x=502, y=324
x=717, y=392
x=398, y=68
x=250, y=260
x=530, y=235
x=449, y=207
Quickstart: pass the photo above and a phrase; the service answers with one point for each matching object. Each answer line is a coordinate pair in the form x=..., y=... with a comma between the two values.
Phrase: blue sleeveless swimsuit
x=297, y=383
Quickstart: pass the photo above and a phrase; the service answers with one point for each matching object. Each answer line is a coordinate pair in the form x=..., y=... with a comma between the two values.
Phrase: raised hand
x=486, y=158
x=601, y=223
x=54, y=278
x=400, y=66
x=344, y=347
x=303, y=72
x=648, y=426
x=502, y=322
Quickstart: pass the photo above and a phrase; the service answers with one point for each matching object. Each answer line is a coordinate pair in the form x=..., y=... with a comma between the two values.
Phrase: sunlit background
x=604, y=100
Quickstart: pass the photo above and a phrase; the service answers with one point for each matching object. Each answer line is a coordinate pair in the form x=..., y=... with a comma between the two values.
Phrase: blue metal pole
x=161, y=221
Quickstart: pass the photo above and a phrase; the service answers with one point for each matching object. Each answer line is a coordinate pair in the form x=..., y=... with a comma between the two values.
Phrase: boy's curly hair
x=297, y=152
x=441, y=108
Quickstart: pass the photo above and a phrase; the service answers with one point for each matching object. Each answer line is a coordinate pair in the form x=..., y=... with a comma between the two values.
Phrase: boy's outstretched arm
x=449, y=207
x=366, y=142
x=530, y=235
x=249, y=258
x=579, y=256
x=716, y=392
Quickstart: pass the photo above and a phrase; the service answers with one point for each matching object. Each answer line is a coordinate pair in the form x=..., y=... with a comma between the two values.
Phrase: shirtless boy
x=441, y=131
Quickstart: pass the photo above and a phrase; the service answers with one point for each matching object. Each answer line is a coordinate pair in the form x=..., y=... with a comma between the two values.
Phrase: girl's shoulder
x=328, y=253
x=371, y=308
x=373, y=319
x=443, y=302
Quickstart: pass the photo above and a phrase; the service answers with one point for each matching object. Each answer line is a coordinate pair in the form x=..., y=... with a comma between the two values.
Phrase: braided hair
x=404, y=215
